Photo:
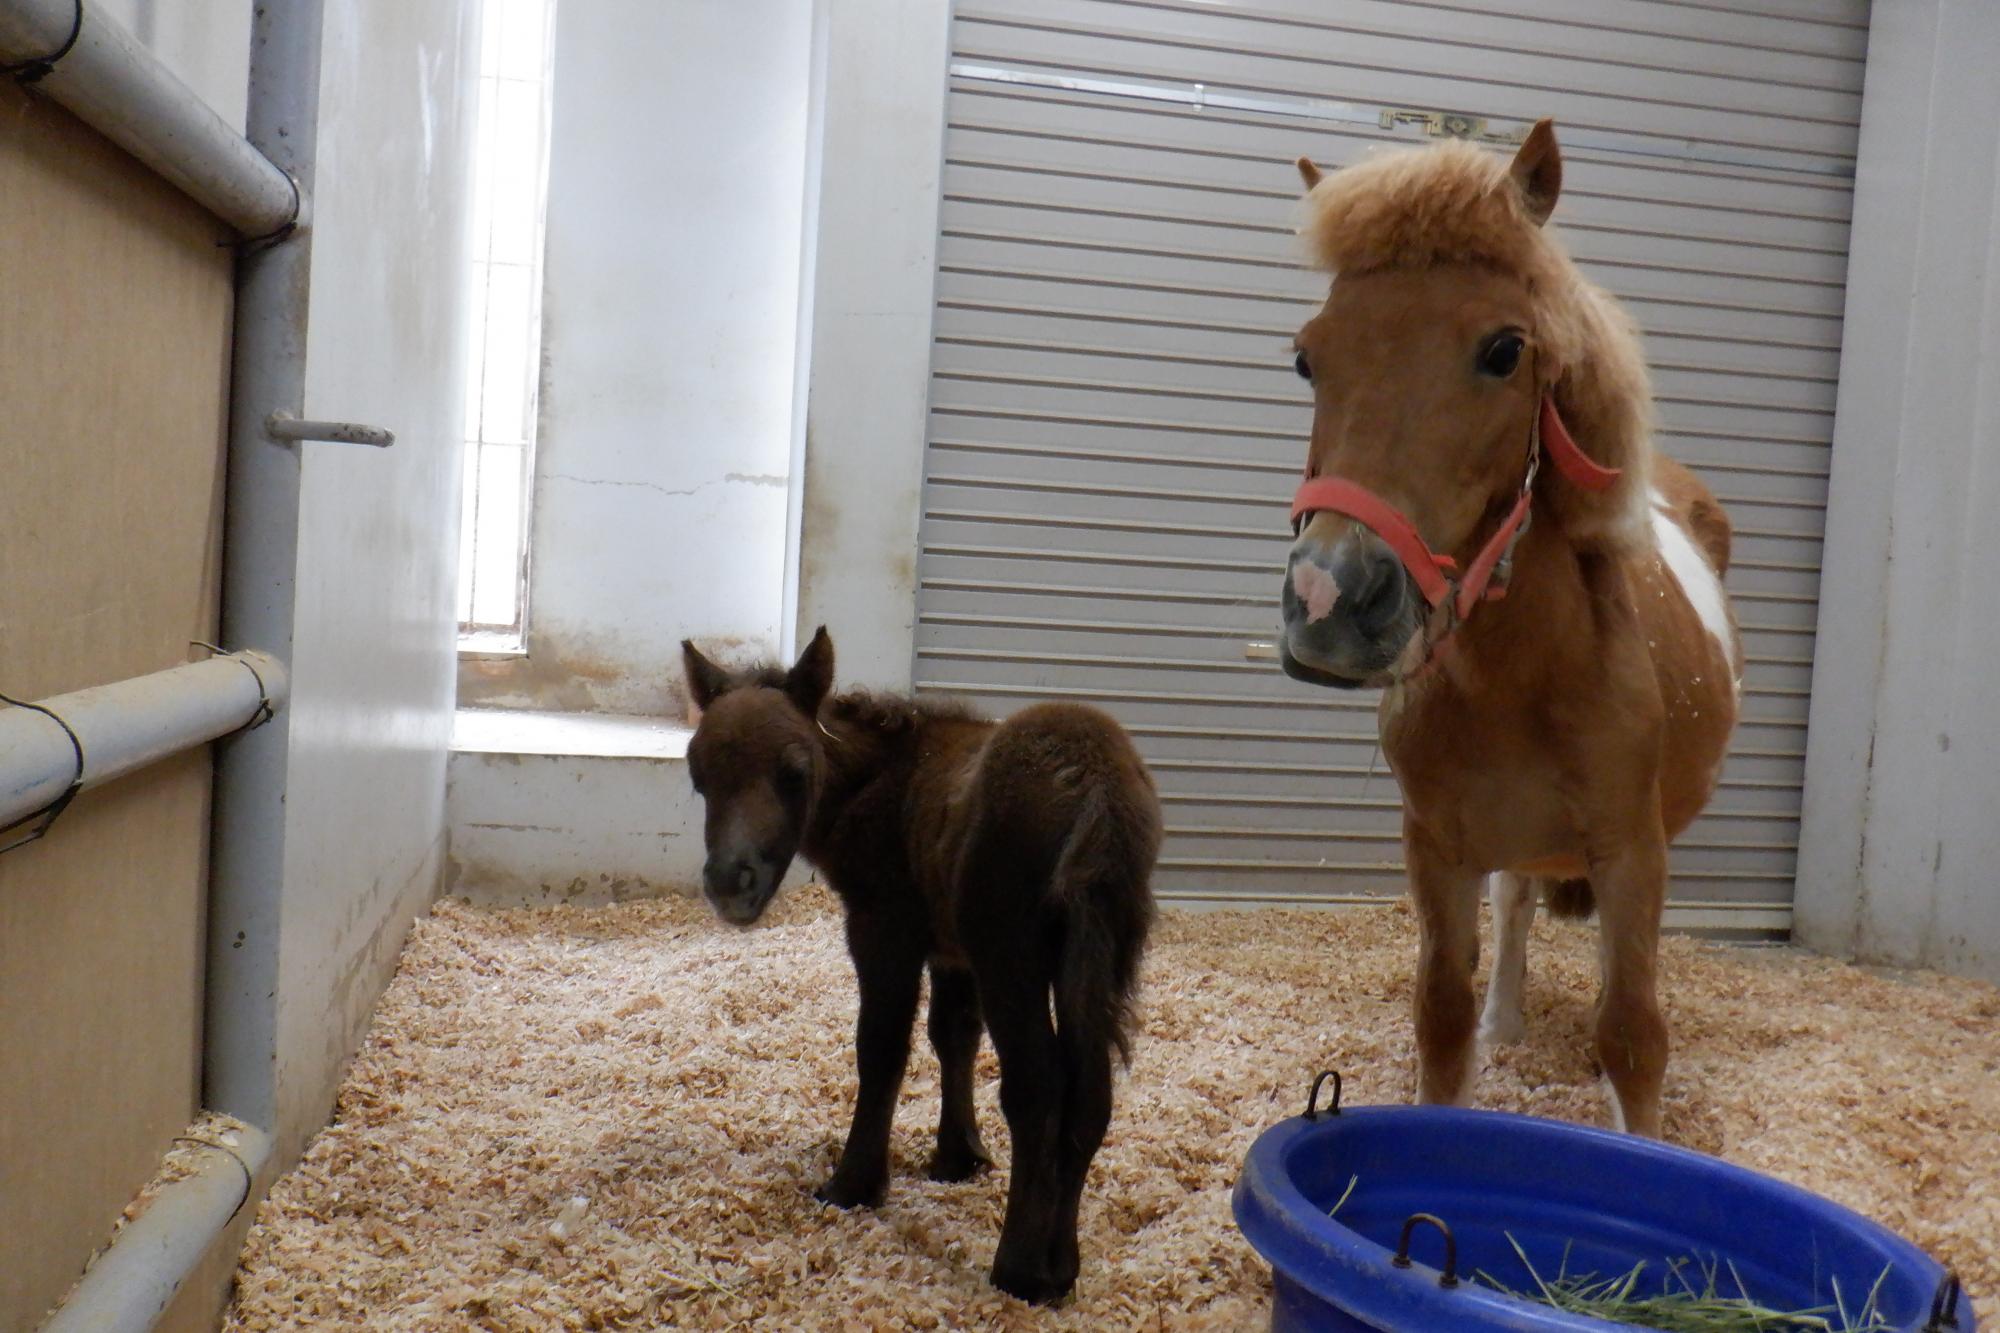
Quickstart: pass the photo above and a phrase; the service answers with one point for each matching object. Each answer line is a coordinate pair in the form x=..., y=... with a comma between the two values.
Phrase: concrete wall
x=1899, y=840
x=375, y=651
x=670, y=316
x=206, y=43
x=881, y=156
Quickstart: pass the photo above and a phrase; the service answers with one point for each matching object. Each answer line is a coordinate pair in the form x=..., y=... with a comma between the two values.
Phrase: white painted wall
x=881, y=157
x=206, y=43
x=671, y=302
x=1899, y=839
x=375, y=652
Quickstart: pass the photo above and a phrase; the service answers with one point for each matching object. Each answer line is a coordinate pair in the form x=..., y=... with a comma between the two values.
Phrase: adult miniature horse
x=1481, y=427
x=1015, y=858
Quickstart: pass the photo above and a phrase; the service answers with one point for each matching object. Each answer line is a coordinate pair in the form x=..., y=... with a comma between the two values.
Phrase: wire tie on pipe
x=39, y=69
x=249, y=1176
x=251, y=245
x=45, y=818
x=265, y=712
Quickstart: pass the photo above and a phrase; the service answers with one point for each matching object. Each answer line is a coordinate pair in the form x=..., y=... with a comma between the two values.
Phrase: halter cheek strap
x=1437, y=576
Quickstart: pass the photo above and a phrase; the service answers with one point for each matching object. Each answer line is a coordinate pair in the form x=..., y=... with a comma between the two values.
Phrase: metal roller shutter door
x=1115, y=426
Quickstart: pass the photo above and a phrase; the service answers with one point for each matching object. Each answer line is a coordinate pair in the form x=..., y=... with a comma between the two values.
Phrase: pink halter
x=1437, y=576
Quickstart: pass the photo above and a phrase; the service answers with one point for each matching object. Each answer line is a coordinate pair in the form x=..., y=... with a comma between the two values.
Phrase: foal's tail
x=1103, y=883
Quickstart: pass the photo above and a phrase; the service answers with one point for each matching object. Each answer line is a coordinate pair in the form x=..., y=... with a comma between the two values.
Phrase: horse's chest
x=1484, y=791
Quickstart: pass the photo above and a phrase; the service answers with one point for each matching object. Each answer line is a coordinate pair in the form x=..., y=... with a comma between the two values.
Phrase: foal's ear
x=1538, y=171
x=705, y=679
x=1308, y=172
x=811, y=676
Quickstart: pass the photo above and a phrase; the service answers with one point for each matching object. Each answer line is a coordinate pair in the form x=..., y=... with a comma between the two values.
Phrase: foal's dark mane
x=889, y=714
x=879, y=711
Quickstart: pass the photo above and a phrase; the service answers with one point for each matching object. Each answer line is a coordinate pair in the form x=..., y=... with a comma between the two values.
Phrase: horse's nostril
x=1373, y=590
x=746, y=879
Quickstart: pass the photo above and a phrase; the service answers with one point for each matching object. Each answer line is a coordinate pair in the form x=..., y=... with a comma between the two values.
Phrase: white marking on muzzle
x=1316, y=589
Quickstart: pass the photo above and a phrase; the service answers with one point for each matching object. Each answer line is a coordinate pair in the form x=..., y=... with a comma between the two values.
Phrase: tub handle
x=1312, y=1097
x=1402, y=1259
x=1944, y=1305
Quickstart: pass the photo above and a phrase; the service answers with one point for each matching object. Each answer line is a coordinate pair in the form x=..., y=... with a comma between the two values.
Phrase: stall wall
x=1899, y=842
x=670, y=317
x=206, y=43
x=875, y=268
x=115, y=302
x=375, y=649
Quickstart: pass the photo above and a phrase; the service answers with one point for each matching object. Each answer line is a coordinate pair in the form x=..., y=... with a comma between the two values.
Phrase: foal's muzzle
x=1349, y=609
x=741, y=885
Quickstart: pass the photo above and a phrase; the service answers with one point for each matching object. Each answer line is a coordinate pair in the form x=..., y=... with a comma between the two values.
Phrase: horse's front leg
x=1447, y=902
x=889, y=967
x=1631, y=885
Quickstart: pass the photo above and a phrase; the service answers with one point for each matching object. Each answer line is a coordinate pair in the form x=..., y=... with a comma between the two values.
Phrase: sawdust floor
x=689, y=1084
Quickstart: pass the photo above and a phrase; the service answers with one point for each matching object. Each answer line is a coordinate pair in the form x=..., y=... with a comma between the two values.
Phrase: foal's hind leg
x=1015, y=975
x=955, y=1027
x=1086, y=1115
x=1513, y=898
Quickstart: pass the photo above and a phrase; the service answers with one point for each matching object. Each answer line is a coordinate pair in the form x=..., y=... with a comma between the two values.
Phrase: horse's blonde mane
x=1454, y=204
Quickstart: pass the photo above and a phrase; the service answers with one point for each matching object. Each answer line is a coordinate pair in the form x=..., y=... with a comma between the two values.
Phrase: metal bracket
x=285, y=426
x=1448, y=125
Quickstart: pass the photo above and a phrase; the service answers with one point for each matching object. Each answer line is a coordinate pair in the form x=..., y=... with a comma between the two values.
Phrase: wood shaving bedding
x=603, y=1118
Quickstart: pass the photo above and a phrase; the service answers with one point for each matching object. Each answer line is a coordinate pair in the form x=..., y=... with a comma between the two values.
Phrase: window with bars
x=510, y=194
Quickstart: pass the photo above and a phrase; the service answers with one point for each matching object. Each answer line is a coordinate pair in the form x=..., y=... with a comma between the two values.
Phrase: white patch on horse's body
x=1513, y=898
x=1316, y=588
x=1696, y=578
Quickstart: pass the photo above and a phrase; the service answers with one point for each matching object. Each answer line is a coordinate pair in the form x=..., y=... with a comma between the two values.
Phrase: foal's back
x=1053, y=781
x=1049, y=768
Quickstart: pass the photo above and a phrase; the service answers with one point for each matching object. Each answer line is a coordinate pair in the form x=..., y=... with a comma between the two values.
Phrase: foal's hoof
x=848, y=1194
x=1037, y=1287
x=952, y=1165
x=1502, y=1030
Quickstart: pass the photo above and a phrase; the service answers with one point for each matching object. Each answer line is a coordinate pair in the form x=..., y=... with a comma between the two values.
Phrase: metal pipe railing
x=138, y=1275
x=86, y=61
x=80, y=740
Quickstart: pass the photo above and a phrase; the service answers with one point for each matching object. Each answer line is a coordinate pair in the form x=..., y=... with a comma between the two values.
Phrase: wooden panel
x=115, y=303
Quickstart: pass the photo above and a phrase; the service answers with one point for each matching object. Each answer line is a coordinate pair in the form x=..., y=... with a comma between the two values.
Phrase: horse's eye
x=1500, y=355
x=1299, y=364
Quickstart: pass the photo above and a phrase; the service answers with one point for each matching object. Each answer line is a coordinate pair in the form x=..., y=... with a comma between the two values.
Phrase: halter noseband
x=1437, y=576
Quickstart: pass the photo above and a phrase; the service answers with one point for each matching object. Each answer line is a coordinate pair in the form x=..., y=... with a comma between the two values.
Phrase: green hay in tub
x=1688, y=1307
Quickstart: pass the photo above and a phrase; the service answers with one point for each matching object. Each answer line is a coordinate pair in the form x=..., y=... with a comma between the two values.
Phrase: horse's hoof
x=842, y=1194
x=956, y=1165
x=1502, y=1030
x=1035, y=1287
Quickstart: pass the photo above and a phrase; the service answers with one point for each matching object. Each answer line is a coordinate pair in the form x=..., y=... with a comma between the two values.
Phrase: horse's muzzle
x=739, y=888
x=1349, y=610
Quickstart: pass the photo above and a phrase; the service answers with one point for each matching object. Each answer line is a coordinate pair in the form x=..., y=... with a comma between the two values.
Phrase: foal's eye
x=1299, y=364
x=1500, y=355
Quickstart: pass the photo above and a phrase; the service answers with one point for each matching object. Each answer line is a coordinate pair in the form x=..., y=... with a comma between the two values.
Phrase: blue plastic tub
x=1612, y=1199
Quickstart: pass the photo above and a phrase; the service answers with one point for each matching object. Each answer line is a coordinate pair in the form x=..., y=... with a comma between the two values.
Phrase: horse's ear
x=1308, y=172
x=811, y=676
x=1538, y=171
x=705, y=679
